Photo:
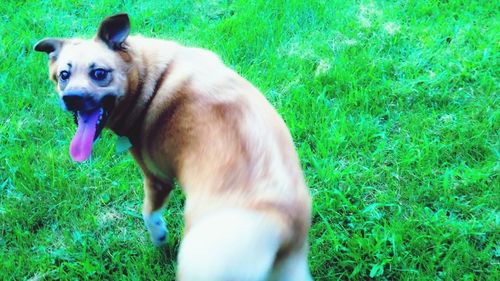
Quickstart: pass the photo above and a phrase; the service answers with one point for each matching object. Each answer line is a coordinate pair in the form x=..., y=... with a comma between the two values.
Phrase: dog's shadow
x=167, y=253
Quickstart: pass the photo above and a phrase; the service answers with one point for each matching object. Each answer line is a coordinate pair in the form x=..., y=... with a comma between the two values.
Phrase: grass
x=393, y=106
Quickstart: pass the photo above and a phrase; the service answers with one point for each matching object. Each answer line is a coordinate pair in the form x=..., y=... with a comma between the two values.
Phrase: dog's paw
x=156, y=226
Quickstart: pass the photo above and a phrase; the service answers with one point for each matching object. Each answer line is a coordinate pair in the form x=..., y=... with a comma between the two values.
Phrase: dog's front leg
x=155, y=193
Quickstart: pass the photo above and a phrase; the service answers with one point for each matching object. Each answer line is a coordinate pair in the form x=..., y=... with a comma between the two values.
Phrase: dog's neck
x=143, y=82
x=125, y=117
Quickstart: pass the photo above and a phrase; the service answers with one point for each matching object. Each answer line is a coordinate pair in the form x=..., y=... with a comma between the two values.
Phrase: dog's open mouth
x=90, y=125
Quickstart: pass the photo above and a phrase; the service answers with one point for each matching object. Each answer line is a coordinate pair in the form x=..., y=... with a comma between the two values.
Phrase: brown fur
x=191, y=118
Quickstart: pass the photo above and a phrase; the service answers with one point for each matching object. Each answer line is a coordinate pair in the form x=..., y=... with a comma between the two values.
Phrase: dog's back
x=247, y=206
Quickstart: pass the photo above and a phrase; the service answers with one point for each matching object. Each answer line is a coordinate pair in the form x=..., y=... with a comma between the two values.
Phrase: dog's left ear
x=114, y=30
x=51, y=46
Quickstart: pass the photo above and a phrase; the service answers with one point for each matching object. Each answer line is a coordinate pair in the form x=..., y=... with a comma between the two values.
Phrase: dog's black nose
x=73, y=101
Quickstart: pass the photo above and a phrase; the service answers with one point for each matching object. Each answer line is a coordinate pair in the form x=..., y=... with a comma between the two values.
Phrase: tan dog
x=191, y=118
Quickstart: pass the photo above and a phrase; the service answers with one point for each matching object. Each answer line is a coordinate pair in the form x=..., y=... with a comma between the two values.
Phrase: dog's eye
x=64, y=75
x=99, y=74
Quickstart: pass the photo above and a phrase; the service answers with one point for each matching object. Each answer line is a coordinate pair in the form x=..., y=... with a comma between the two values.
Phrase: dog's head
x=90, y=77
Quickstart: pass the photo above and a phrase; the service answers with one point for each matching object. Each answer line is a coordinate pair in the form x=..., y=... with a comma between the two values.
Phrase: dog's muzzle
x=81, y=101
x=91, y=113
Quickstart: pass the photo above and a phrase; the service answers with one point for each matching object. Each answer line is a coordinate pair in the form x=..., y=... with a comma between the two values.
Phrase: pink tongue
x=81, y=145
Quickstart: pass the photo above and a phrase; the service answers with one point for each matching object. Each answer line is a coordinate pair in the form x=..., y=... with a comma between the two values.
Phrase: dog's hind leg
x=233, y=244
x=155, y=193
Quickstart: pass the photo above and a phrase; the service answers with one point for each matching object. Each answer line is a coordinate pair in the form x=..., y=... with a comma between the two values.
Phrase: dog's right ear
x=114, y=30
x=51, y=46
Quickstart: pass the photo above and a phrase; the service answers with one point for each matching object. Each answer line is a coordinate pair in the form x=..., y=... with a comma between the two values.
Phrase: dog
x=192, y=119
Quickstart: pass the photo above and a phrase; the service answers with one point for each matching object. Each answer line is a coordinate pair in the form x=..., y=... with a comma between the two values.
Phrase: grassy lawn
x=393, y=106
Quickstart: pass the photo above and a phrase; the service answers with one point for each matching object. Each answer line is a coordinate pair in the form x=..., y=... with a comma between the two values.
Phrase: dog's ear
x=51, y=46
x=114, y=30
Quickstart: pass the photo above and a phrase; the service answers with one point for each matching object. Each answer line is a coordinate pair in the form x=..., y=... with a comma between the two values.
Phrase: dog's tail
x=233, y=244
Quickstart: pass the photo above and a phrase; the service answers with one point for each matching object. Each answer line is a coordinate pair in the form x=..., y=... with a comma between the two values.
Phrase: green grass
x=393, y=106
